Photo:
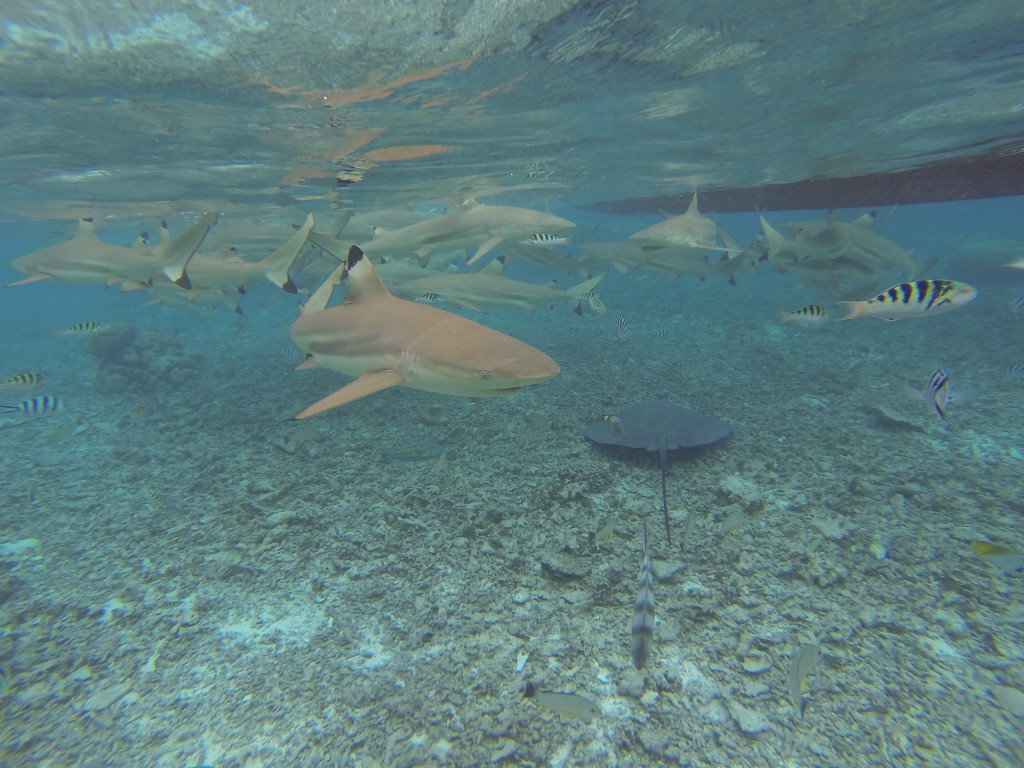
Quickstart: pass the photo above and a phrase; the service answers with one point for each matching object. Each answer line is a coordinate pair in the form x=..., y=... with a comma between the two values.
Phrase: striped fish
x=919, y=298
x=1015, y=370
x=812, y=314
x=621, y=326
x=23, y=381
x=1017, y=304
x=938, y=391
x=542, y=239
x=643, y=609
x=79, y=329
x=589, y=304
x=433, y=298
x=42, y=405
x=661, y=333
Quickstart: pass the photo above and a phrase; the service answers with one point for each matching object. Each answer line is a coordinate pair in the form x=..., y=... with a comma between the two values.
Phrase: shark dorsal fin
x=495, y=267
x=363, y=282
x=86, y=230
x=693, y=204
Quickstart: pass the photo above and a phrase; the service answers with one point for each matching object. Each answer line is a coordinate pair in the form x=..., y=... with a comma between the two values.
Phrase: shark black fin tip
x=289, y=286
x=184, y=282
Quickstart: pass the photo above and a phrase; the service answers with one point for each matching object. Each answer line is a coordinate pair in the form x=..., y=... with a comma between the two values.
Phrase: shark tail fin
x=179, y=251
x=277, y=265
x=585, y=287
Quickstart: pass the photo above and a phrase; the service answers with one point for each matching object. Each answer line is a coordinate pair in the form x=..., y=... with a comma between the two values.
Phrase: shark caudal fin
x=277, y=265
x=178, y=252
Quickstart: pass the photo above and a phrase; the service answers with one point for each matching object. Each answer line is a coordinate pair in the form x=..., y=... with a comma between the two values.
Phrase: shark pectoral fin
x=34, y=279
x=308, y=364
x=180, y=251
x=366, y=384
x=130, y=286
x=485, y=246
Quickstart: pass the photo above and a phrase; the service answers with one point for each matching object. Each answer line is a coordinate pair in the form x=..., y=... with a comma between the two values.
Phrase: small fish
x=42, y=405
x=1015, y=370
x=589, y=304
x=79, y=329
x=542, y=239
x=661, y=333
x=803, y=663
x=138, y=415
x=621, y=326
x=1017, y=304
x=733, y=522
x=806, y=317
x=423, y=452
x=643, y=609
x=571, y=706
x=938, y=391
x=5, y=680
x=1017, y=263
x=998, y=556
x=605, y=533
x=23, y=381
x=614, y=424
x=433, y=298
x=877, y=548
x=289, y=353
x=919, y=298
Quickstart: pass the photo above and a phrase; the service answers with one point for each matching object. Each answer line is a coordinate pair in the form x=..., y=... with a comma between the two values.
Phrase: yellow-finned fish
x=998, y=556
x=812, y=314
x=42, y=405
x=918, y=298
x=568, y=705
x=79, y=329
x=23, y=381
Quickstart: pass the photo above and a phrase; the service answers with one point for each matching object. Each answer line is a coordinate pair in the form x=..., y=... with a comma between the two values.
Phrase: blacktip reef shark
x=470, y=225
x=386, y=341
x=85, y=259
x=488, y=287
x=234, y=274
x=688, y=231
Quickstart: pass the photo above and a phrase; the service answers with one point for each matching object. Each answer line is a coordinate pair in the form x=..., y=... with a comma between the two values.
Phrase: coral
x=127, y=362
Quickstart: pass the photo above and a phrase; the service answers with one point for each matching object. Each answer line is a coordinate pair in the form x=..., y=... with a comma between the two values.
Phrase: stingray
x=662, y=426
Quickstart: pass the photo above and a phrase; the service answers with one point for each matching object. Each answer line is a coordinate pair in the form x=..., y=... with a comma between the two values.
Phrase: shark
x=470, y=225
x=386, y=341
x=489, y=287
x=687, y=232
x=86, y=259
x=235, y=274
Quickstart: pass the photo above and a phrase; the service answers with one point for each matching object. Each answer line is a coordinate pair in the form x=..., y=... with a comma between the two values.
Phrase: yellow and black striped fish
x=42, y=405
x=589, y=304
x=918, y=298
x=812, y=314
x=543, y=238
x=79, y=329
x=31, y=380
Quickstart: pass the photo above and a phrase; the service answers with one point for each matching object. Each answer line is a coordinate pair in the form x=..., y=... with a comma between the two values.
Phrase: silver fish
x=643, y=609
x=802, y=664
x=571, y=706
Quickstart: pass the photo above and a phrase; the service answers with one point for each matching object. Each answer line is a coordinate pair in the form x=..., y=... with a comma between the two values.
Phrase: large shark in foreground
x=386, y=341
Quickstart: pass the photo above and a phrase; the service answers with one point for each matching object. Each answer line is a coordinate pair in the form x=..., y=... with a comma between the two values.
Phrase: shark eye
x=485, y=374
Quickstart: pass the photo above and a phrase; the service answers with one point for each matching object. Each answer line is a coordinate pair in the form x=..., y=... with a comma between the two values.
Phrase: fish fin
x=579, y=308
x=484, y=248
x=86, y=230
x=853, y=309
x=277, y=264
x=180, y=251
x=530, y=692
x=308, y=364
x=363, y=281
x=367, y=384
x=33, y=279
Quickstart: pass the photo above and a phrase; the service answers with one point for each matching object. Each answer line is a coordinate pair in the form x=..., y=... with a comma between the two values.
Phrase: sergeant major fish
x=42, y=405
x=811, y=315
x=919, y=298
x=23, y=381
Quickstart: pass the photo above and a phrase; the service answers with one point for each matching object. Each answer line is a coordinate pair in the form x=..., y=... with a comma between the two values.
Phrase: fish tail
x=643, y=610
x=278, y=264
x=530, y=692
x=854, y=309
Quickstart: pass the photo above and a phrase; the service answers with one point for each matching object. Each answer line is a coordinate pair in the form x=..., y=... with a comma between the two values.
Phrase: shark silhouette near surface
x=86, y=259
x=386, y=341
